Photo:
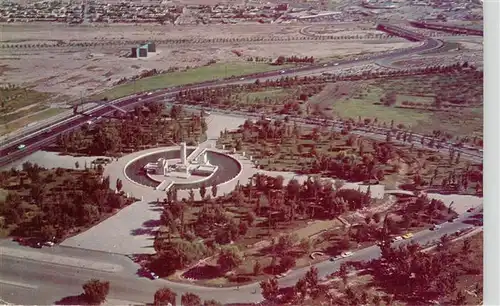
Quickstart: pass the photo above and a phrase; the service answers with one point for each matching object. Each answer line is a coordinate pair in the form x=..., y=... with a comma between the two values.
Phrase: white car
x=242, y=79
x=49, y=243
x=397, y=238
x=282, y=71
x=435, y=227
x=336, y=64
x=346, y=254
x=154, y=276
x=324, y=65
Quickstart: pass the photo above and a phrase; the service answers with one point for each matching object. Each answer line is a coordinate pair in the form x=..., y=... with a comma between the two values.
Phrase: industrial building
x=143, y=50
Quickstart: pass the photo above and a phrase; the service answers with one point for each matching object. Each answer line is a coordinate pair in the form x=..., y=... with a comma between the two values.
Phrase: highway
x=37, y=140
x=24, y=280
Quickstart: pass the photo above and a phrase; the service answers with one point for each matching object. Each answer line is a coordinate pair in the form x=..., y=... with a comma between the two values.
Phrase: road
x=24, y=280
x=36, y=140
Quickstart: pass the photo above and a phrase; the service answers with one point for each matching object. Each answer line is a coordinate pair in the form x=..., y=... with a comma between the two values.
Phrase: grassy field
x=253, y=97
x=426, y=100
x=363, y=99
x=17, y=124
x=17, y=98
x=195, y=75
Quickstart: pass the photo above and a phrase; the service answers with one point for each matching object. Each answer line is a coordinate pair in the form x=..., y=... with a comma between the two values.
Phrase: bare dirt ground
x=84, y=70
x=55, y=31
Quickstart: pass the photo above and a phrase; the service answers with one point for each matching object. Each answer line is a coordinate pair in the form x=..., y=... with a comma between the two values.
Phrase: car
x=346, y=254
x=470, y=210
x=435, y=227
x=49, y=243
x=149, y=94
x=397, y=238
x=21, y=147
x=241, y=79
x=407, y=236
x=357, y=58
x=324, y=65
x=154, y=276
x=336, y=64
x=282, y=71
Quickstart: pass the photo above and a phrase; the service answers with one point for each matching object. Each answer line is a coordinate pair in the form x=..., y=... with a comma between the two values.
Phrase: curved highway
x=37, y=140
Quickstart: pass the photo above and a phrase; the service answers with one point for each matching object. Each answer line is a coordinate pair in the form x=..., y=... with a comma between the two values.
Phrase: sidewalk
x=60, y=260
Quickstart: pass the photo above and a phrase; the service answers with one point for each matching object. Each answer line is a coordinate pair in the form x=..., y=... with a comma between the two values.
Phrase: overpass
x=101, y=102
x=398, y=31
x=447, y=28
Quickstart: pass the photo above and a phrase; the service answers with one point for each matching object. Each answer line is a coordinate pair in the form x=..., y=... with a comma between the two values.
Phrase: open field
x=450, y=103
x=211, y=72
x=10, y=126
x=77, y=71
x=64, y=32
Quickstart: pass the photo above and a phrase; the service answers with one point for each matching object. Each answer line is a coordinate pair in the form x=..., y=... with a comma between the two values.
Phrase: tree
x=95, y=291
x=257, y=268
x=312, y=278
x=344, y=273
x=212, y=303
x=165, y=296
x=229, y=258
x=119, y=184
x=301, y=287
x=214, y=190
x=203, y=191
x=190, y=299
x=270, y=288
x=287, y=262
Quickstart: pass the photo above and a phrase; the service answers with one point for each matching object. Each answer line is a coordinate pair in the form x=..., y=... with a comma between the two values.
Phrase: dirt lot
x=78, y=70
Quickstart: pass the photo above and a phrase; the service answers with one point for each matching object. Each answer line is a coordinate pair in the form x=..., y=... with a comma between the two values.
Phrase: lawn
x=42, y=115
x=425, y=100
x=195, y=75
x=253, y=97
x=352, y=108
x=13, y=99
x=363, y=99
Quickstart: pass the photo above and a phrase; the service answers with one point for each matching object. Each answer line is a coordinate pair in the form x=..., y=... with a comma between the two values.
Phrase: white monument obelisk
x=183, y=154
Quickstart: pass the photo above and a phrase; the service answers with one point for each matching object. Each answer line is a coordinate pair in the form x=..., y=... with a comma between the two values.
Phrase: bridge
x=447, y=28
x=398, y=31
x=102, y=102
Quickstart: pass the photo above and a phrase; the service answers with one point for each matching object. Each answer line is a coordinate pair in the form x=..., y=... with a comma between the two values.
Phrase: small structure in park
x=196, y=163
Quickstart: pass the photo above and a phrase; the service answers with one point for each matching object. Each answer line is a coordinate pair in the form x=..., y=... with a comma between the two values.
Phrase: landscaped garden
x=145, y=127
x=52, y=204
x=282, y=146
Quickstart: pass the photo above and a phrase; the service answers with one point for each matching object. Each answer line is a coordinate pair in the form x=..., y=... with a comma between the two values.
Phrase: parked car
x=407, y=236
x=435, y=227
x=397, y=238
x=346, y=254
x=21, y=147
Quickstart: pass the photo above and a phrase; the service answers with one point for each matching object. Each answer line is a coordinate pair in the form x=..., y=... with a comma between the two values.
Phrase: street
x=23, y=281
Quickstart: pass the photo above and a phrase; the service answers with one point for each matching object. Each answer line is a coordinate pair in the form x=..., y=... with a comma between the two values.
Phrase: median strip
x=61, y=260
x=16, y=284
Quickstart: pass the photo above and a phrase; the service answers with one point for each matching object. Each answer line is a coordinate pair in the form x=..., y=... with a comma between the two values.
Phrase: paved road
x=35, y=141
x=25, y=281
